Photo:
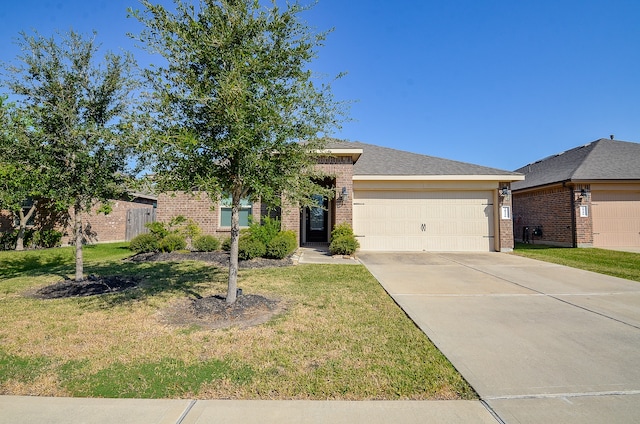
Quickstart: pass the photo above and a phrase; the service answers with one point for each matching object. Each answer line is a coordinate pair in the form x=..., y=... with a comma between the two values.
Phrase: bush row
x=33, y=239
x=259, y=240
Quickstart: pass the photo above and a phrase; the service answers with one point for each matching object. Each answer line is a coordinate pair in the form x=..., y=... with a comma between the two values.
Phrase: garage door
x=616, y=218
x=424, y=221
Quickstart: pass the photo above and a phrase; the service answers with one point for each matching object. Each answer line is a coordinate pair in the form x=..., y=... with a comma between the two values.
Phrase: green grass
x=341, y=336
x=609, y=262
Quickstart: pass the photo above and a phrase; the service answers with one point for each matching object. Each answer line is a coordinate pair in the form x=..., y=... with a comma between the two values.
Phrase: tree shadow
x=35, y=264
x=157, y=278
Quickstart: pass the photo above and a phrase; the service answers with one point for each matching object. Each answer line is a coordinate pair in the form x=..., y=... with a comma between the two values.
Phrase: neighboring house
x=588, y=196
x=395, y=201
x=126, y=219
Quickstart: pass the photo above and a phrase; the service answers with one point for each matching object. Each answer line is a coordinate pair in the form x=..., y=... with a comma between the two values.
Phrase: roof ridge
x=583, y=161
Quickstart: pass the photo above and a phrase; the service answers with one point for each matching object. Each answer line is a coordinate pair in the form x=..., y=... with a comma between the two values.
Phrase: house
x=394, y=200
x=125, y=220
x=588, y=196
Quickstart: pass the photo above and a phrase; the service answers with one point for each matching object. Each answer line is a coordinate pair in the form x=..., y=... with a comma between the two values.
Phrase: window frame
x=246, y=209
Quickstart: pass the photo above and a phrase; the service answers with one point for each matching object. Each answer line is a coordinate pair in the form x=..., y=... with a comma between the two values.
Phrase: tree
x=233, y=103
x=21, y=173
x=81, y=119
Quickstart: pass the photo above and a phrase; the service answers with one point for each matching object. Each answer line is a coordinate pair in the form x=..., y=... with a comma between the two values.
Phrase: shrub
x=46, y=238
x=249, y=248
x=226, y=244
x=343, y=245
x=143, y=243
x=206, y=243
x=343, y=229
x=282, y=245
x=172, y=242
x=8, y=240
x=157, y=229
x=343, y=241
x=265, y=231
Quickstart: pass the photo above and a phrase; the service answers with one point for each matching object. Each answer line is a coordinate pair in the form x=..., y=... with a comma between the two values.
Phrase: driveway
x=539, y=342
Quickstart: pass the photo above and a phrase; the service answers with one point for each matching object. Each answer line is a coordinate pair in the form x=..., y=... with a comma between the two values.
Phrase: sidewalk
x=39, y=410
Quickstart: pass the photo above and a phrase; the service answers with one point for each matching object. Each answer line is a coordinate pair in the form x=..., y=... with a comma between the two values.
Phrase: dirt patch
x=217, y=258
x=213, y=312
x=92, y=286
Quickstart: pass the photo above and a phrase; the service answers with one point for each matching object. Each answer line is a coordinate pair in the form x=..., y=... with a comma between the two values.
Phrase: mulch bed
x=93, y=285
x=213, y=312
x=218, y=258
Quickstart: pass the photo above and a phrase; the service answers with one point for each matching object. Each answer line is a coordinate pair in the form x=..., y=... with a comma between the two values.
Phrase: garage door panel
x=616, y=218
x=423, y=220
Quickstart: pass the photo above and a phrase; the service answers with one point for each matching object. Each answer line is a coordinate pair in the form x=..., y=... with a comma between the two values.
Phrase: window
x=225, y=212
x=506, y=212
x=584, y=211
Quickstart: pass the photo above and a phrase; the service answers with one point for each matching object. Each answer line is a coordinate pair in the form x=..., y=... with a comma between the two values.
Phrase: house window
x=225, y=212
x=584, y=211
x=506, y=212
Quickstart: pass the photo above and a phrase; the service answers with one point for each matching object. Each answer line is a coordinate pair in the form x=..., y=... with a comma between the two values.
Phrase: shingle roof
x=602, y=159
x=377, y=160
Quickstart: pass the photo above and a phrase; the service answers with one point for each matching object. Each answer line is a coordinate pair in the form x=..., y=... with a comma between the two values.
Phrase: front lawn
x=341, y=336
x=609, y=262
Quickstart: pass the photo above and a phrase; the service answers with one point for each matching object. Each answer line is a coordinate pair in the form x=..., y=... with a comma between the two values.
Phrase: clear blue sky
x=499, y=83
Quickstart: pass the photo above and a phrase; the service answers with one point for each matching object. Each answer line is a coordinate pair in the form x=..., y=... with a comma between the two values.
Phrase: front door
x=318, y=220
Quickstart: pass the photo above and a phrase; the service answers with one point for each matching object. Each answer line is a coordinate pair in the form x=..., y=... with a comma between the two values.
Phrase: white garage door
x=424, y=221
x=616, y=218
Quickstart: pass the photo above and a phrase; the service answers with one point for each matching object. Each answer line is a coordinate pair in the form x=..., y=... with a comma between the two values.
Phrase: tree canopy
x=80, y=119
x=234, y=107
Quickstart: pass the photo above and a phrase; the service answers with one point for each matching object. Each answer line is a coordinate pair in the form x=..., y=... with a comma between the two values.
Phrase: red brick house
x=588, y=196
x=126, y=220
x=394, y=200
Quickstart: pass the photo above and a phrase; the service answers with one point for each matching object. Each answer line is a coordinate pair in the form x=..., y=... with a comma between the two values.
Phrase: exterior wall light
x=344, y=195
x=504, y=191
x=584, y=194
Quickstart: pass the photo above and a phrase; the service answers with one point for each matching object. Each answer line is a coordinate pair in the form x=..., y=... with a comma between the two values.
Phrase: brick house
x=118, y=225
x=588, y=196
x=394, y=200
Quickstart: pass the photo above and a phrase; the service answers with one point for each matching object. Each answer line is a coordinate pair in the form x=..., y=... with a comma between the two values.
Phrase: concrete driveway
x=540, y=343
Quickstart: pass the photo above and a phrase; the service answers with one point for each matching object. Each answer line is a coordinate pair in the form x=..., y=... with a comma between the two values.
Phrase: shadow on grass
x=35, y=263
x=157, y=278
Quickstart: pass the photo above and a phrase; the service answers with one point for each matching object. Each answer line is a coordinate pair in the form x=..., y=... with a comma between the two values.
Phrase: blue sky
x=492, y=82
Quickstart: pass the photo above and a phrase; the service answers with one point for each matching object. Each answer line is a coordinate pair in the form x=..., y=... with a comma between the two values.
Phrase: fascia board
x=502, y=178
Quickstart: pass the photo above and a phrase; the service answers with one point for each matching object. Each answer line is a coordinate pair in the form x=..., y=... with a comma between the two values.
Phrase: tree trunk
x=232, y=288
x=78, y=240
x=22, y=226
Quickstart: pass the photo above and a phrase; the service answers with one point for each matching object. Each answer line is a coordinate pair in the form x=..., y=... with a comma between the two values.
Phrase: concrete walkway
x=39, y=410
x=540, y=343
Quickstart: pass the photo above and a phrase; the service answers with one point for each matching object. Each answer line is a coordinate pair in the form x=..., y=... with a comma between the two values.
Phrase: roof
x=384, y=161
x=603, y=159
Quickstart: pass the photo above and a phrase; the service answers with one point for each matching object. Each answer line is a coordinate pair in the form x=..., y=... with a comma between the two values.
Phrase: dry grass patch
x=341, y=337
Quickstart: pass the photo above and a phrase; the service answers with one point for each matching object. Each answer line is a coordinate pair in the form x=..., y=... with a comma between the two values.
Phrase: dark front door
x=317, y=220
